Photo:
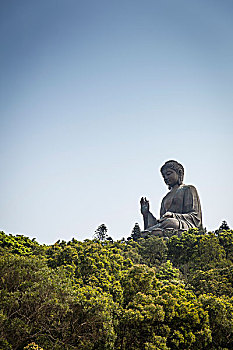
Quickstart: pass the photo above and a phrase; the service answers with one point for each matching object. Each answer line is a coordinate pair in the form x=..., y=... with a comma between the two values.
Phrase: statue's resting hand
x=168, y=214
x=144, y=206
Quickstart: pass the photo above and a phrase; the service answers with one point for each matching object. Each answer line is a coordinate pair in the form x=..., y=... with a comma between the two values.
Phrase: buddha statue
x=180, y=208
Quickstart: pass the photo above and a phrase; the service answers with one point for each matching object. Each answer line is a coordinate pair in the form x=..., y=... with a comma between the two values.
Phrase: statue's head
x=176, y=173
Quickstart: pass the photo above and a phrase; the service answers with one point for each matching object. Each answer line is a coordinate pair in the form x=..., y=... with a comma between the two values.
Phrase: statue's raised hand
x=144, y=206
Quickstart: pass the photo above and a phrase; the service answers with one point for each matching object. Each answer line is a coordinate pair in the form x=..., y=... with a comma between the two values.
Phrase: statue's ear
x=180, y=176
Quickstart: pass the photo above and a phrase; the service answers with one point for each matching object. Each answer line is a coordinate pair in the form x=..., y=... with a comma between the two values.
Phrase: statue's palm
x=145, y=206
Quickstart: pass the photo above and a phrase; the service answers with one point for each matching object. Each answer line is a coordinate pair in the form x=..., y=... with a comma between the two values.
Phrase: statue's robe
x=185, y=205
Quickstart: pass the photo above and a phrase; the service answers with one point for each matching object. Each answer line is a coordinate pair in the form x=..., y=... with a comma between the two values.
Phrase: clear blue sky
x=96, y=95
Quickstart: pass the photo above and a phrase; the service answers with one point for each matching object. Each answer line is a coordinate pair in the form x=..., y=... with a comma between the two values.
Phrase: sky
x=96, y=95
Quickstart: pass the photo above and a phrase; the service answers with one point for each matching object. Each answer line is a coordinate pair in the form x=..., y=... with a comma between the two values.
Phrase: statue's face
x=170, y=177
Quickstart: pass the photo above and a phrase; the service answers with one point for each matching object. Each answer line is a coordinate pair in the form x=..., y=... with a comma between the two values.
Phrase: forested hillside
x=150, y=294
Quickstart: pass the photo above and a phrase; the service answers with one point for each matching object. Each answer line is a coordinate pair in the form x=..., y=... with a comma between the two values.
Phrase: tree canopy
x=148, y=293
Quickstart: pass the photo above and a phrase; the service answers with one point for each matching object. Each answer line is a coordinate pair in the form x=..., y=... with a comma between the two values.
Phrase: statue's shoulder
x=188, y=188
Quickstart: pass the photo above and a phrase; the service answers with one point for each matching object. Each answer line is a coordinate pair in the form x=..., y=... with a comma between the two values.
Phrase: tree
x=101, y=232
x=220, y=311
x=123, y=295
x=136, y=232
x=224, y=226
x=192, y=251
x=39, y=304
x=160, y=315
x=153, y=250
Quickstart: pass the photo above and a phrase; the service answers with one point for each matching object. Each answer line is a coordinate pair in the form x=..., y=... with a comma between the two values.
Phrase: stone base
x=161, y=232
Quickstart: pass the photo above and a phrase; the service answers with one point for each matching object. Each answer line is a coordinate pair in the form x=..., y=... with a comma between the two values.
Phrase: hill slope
x=150, y=294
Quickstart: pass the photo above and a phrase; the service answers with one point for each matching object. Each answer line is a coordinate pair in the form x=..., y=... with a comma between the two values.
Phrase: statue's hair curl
x=173, y=164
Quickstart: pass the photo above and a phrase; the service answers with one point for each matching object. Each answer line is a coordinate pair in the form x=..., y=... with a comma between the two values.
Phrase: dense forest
x=153, y=293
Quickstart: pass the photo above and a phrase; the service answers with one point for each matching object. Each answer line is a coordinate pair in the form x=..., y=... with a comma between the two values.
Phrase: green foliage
x=191, y=251
x=153, y=293
x=167, y=272
x=20, y=245
x=220, y=311
x=32, y=298
x=91, y=263
x=226, y=241
x=40, y=303
x=158, y=315
x=153, y=250
x=218, y=281
x=32, y=346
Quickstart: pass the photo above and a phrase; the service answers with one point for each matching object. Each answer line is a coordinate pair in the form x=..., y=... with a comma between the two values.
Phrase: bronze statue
x=180, y=208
